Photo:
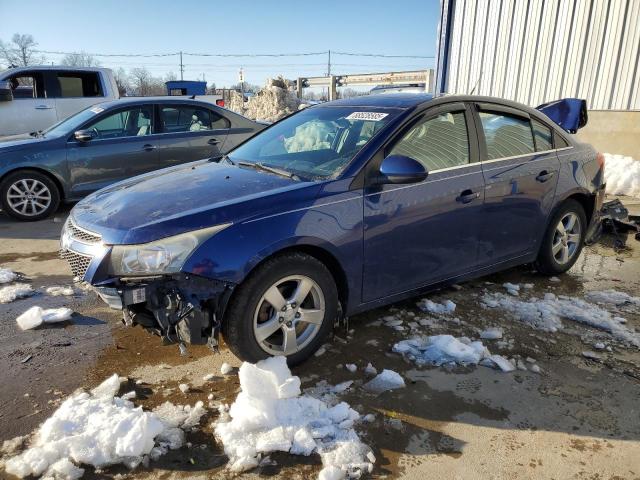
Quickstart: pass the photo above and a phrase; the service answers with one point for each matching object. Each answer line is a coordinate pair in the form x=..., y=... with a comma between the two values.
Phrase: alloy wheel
x=289, y=315
x=566, y=238
x=28, y=197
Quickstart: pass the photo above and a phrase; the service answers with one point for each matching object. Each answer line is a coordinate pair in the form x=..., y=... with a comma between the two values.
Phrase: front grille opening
x=78, y=263
x=82, y=235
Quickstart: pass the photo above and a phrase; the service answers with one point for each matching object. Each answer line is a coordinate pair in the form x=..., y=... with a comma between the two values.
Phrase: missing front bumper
x=180, y=308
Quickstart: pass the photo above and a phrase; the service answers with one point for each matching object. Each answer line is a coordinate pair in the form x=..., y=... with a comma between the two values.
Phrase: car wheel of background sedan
x=563, y=240
x=29, y=196
x=286, y=307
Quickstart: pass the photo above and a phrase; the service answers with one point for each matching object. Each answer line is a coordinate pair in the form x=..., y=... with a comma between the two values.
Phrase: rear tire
x=287, y=306
x=29, y=196
x=563, y=240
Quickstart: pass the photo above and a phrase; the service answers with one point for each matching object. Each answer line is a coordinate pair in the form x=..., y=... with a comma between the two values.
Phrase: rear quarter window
x=542, y=135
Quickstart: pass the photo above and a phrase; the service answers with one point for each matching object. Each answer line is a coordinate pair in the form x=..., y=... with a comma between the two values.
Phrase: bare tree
x=20, y=51
x=122, y=81
x=80, y=59
x=144, y=84
x=169, y=77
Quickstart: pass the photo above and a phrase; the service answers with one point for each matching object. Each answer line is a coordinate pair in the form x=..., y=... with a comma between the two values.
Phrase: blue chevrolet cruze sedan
x=337, y=209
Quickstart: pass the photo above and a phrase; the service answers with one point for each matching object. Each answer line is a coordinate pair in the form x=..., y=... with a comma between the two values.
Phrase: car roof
x=123, y=101
x=398, y=100
x=56, y=68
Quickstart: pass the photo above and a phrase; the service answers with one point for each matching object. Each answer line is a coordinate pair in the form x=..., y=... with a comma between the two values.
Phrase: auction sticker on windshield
x=373, y=116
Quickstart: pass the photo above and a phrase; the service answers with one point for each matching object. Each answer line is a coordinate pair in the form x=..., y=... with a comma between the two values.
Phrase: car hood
x=181, y=199
x=16, y=142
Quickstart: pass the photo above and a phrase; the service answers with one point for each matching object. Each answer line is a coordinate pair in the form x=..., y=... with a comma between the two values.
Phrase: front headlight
x=162, y=256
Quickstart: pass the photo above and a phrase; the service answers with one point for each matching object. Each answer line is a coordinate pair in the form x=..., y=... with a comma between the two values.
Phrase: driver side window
x=132, y=122
x=437, y=142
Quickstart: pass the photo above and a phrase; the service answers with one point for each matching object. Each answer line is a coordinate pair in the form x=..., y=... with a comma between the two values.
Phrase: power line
x=235, y=55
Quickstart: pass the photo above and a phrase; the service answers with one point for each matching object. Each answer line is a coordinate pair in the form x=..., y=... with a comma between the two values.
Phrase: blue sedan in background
x=337, y=209
x=110, y=142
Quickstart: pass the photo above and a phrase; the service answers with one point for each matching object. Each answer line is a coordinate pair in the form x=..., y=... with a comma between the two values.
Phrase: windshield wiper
x=267, y=168
x=222, y=158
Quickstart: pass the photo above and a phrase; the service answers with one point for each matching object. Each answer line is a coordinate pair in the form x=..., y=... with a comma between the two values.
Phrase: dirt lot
x=577, y=418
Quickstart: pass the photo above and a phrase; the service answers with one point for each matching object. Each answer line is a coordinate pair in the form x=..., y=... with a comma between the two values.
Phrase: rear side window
x=437, y=142
x=542, y=134
x=191, y=119
x=506, y=135
x=79, y=84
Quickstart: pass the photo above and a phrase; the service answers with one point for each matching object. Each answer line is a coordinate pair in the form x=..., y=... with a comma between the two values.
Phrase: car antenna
x=193, y=97
x=477, y=83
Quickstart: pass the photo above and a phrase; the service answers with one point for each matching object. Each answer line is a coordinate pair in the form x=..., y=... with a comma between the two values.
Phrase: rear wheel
x=29, y=195
x=286, y=307
x=563, y=240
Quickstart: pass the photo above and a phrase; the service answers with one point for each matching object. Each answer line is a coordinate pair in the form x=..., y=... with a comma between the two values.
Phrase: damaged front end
x=180, y=307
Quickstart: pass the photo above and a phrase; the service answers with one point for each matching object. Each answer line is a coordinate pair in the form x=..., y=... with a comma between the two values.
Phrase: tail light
x=220, y=102
x=600, y=160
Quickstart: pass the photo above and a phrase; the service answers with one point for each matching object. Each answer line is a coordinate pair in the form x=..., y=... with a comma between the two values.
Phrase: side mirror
x=83, y=135
x=6, y=93
x=401, y=169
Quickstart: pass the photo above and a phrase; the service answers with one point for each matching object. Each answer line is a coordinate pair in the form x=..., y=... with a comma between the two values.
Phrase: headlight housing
x=160, y=257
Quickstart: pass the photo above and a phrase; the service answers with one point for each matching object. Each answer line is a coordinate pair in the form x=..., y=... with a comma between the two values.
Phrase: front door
x=190, y=132
x=520, y=168
x=423, y=233
x=31, y=108
x=123, y=145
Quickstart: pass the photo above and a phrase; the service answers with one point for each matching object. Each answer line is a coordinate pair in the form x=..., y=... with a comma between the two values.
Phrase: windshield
x=314, y=143
x=71, y=124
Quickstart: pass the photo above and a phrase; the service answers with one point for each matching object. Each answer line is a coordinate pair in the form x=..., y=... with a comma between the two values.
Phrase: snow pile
x=36, y=316
x=441, y=349
x=270, y=414
x=7, y=275
x=276, y=100
x=612, y=297
x=546, y=314
x=12, y=292
x=309, y=136
x=59, y=290
x=386, y=380
x=427, y=305
x=622, y=175
x=100, y=429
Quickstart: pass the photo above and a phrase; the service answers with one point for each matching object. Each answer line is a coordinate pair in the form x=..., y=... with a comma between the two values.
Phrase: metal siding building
x=535, y=51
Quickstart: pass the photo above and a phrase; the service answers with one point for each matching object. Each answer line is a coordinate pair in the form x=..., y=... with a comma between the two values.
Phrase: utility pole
x=329, y=64
x=181, y=67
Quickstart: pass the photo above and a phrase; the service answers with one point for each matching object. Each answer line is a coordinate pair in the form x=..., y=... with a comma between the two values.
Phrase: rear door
x=189, y=132
x=520, y=168
x=32, y=107
x=123, y=146
x=74, y=91
x=426, y=232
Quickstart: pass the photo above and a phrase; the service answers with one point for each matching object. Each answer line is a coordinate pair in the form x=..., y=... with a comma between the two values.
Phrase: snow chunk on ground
x=59, y=290
x=441, y=349
x=226, y=369
x=270, y=414
x=545, y=314
x=12, y=292
x=492, y=333
x=98, y=429
x=7, y=275
x=502, y=363
x=446, y=307
x=512, y=289
x=386, y=380
x=612, y=297
x=622, y=175
x=36, y=316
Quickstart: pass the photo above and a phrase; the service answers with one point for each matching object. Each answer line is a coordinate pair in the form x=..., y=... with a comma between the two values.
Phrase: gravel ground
x=577, y=418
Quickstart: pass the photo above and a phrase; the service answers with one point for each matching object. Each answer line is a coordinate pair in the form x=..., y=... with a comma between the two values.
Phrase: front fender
x=333, y=224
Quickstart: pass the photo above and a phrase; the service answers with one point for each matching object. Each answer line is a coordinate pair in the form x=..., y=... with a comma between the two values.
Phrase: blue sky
x=403, y=27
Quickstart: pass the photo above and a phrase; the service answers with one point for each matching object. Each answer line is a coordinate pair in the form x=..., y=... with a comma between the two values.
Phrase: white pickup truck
x=34, y=98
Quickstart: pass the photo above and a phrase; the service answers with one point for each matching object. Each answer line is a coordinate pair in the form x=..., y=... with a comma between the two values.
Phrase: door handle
x=467, y=196
x=43, y=107
x=148, y=147
x=213, y=141
x=543, y=176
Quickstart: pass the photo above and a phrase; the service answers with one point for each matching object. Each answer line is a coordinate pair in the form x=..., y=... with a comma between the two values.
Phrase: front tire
x=287, y=306
x=563, y=240
x=29, y=196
